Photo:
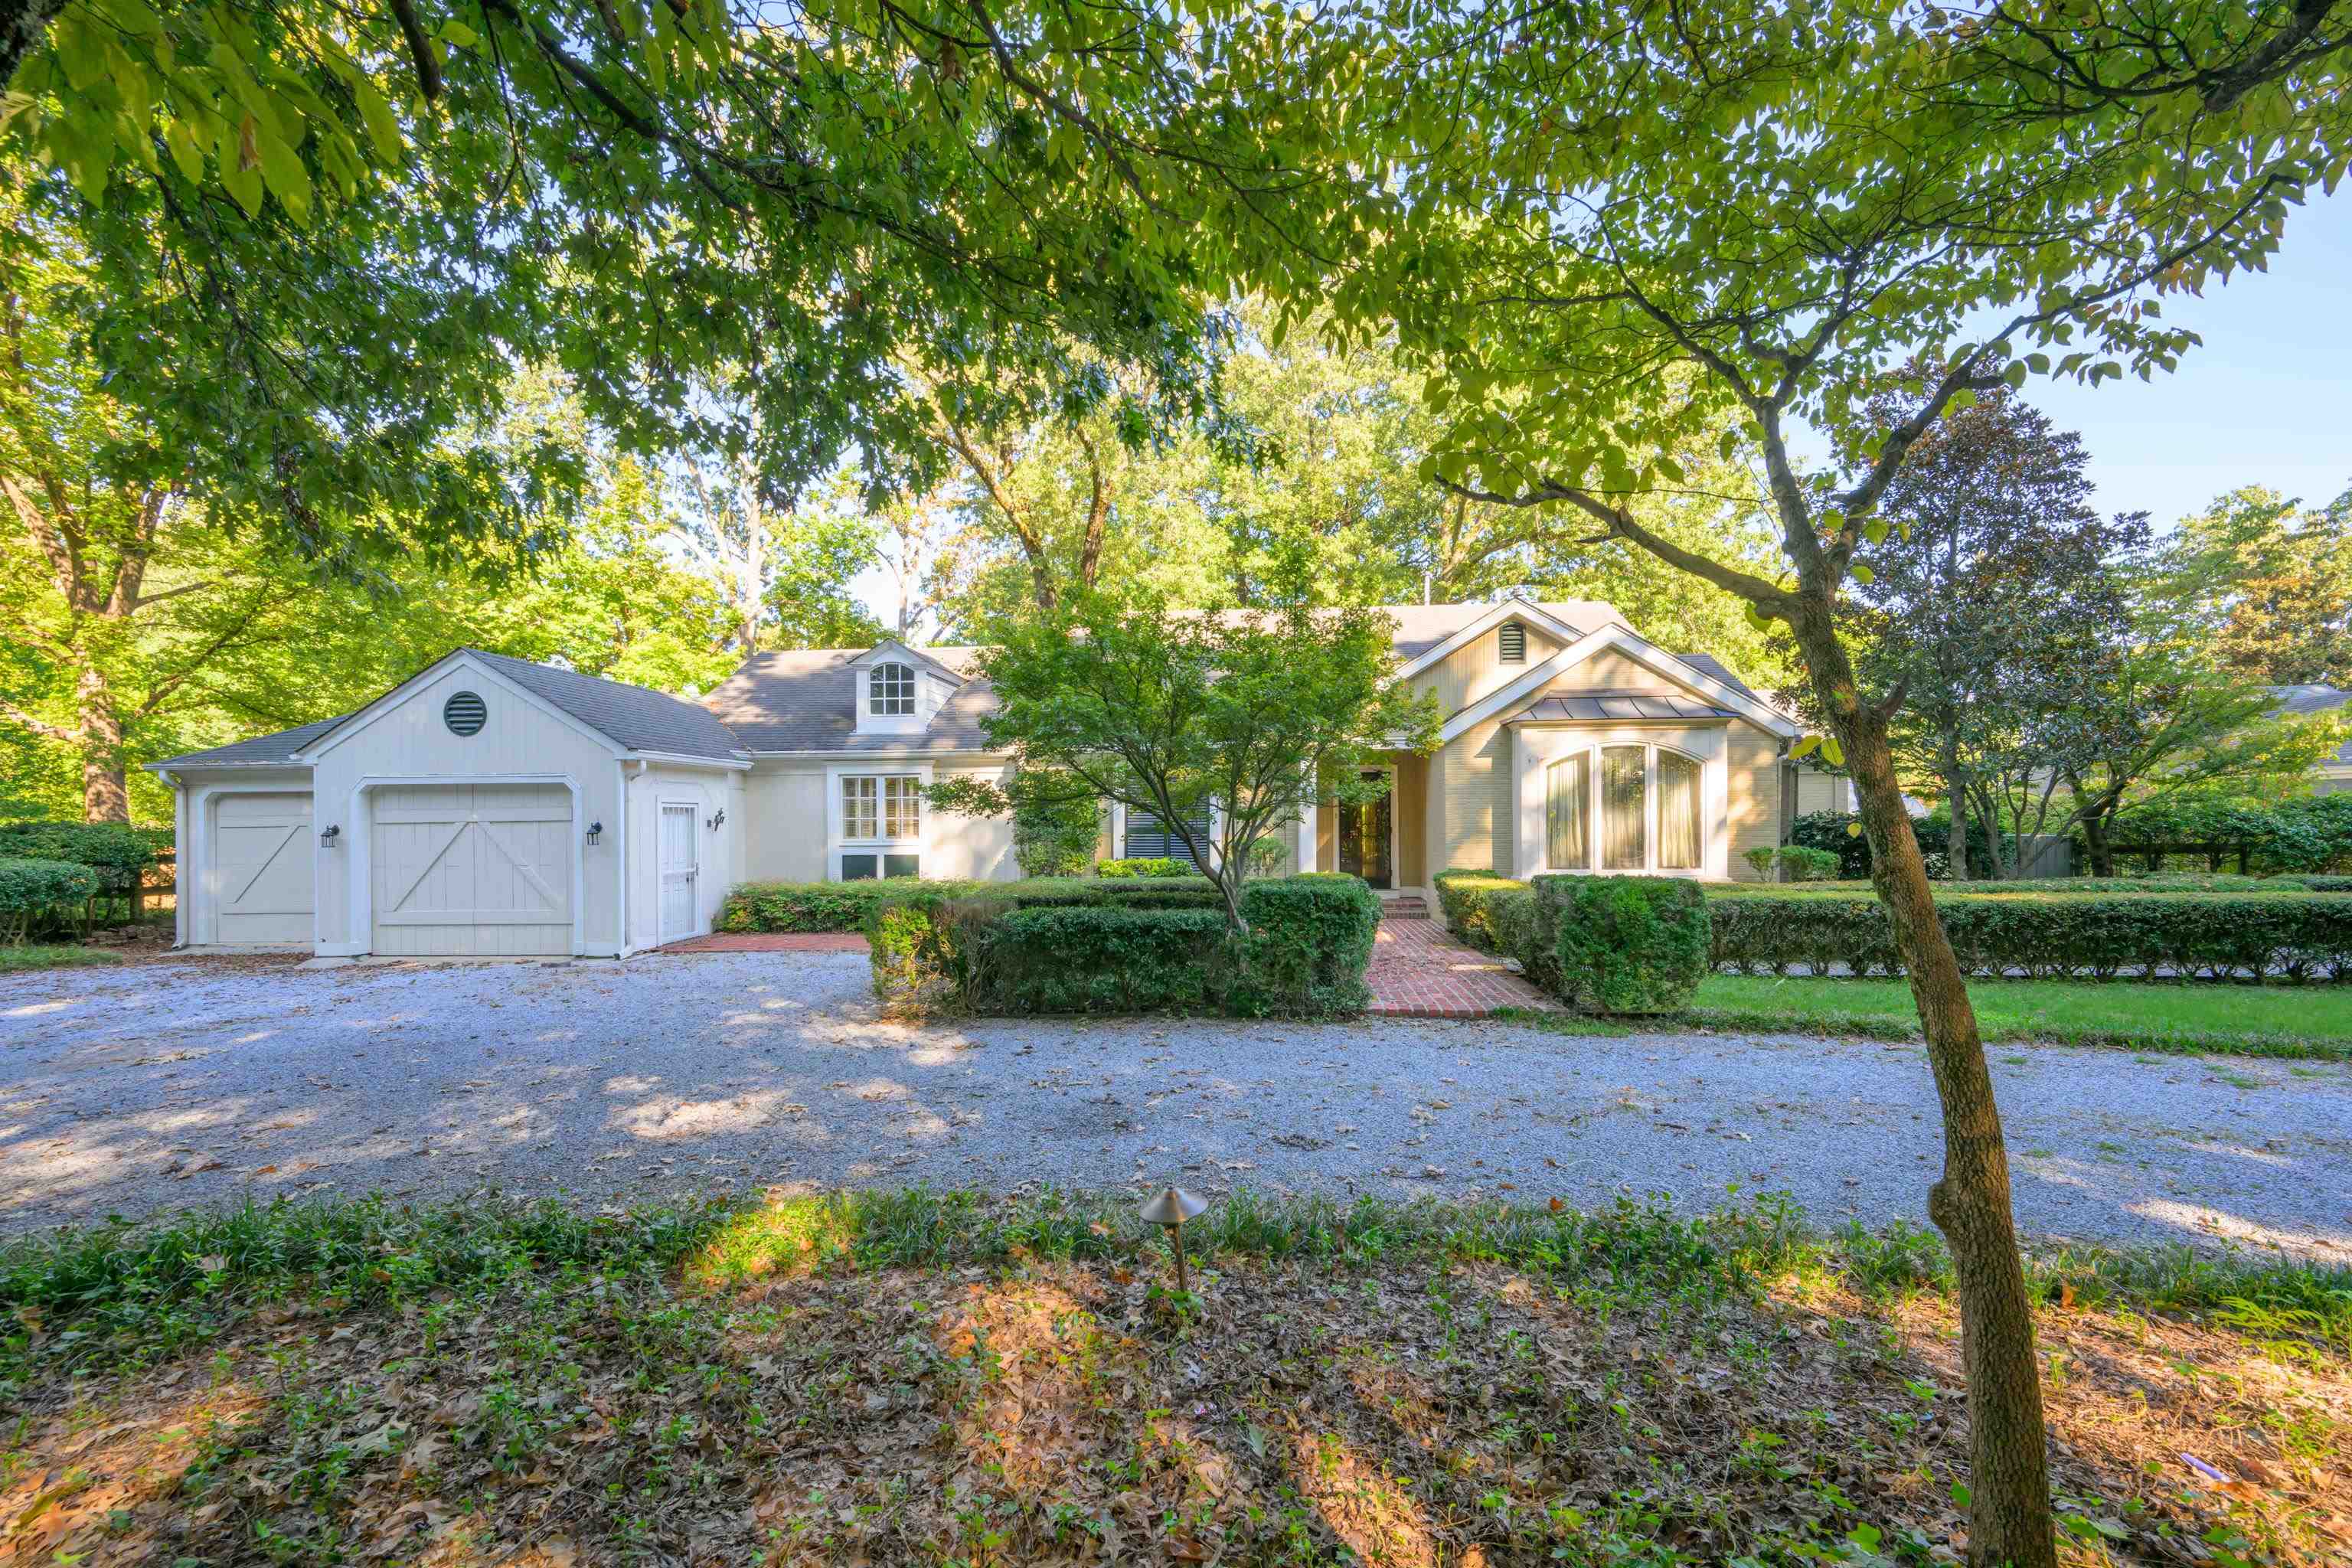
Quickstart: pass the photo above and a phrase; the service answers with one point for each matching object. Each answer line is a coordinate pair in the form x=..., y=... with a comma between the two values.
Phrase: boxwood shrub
x=1466, y=899
x=31, y=888
x=1096, y=948
x=1622, y=944
x=2078, y=936
x=1146, y=865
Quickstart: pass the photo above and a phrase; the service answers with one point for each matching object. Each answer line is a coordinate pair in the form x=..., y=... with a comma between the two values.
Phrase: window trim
x=900, y=678
x=1541, y=748
x=880, y=842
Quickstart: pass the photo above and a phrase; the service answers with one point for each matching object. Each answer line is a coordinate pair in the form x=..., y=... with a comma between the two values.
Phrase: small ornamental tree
x=1218, y=724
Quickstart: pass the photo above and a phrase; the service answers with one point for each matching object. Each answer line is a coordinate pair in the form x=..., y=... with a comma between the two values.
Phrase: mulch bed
x=1064, y=1414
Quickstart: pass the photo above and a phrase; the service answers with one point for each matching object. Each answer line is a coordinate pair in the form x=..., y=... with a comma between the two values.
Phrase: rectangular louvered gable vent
x=1512, y=639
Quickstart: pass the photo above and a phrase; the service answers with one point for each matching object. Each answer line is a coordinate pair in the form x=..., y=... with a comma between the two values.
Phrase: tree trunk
x=105, y=787
x=21, y=34
x=2009, y=1517
x=1955, y=848
x=2094, y=840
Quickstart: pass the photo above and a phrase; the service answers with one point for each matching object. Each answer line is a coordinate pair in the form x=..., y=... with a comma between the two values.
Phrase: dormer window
x=1512, y=643
x=890, y=692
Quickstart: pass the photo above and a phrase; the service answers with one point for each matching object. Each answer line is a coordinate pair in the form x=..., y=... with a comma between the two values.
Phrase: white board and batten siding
x=469, y=845
x=681, y=865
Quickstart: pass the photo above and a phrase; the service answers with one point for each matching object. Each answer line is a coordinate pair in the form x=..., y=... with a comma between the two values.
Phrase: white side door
x=681, y=873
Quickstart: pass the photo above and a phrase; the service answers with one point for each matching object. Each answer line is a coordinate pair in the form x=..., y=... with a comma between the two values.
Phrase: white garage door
x=260, y=868
x=471, y=871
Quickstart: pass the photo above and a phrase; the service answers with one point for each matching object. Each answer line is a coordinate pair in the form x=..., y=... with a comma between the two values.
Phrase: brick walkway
x=1420, y=971
x=771, y=941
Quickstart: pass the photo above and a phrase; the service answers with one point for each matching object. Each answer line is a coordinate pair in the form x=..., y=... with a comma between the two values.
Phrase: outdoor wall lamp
x=1172, y=1208
x=595, y=832
x=328, y=836
x=717, y=822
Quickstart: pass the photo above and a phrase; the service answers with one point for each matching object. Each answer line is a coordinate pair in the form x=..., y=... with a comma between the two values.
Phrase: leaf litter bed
x=1405, y=1411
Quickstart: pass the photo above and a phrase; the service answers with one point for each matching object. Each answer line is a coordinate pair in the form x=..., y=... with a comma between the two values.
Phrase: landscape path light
x=1171, y=1208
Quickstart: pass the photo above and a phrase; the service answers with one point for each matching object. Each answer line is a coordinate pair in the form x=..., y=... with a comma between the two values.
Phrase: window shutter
x=1514, y=642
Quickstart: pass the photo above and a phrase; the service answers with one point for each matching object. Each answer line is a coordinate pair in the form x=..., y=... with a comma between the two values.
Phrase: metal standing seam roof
x=634, y=717
x=1585, y=707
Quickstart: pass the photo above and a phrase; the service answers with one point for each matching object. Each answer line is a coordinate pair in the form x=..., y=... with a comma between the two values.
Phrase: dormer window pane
x=890, y=690
x=1514, y=642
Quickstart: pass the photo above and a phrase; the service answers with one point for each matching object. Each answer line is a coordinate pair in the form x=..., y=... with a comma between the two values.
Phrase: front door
x=1364, y=837
x=681, y=873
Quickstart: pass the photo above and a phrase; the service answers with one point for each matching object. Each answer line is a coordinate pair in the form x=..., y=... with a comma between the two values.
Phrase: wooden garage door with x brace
x=471, y=871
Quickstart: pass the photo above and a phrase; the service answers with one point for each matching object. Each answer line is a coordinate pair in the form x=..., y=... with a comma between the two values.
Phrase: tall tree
x=2267, y=585
x=1993, y=607
x=1619, y=239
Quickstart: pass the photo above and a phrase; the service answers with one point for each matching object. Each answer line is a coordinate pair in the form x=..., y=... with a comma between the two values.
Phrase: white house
x=491, y=807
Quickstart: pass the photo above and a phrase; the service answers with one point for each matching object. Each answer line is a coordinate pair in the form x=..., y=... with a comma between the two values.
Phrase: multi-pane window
x=881, y=806
x=890, y=690
x=1624, y=808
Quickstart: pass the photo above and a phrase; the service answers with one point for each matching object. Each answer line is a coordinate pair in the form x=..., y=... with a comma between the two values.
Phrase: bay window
x=1623, y=807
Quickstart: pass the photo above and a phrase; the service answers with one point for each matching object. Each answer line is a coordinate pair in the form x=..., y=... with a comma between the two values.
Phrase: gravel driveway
x=200, y=1082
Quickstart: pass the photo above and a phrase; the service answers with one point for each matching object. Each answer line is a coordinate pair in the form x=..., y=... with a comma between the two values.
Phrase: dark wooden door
x=1364, y=839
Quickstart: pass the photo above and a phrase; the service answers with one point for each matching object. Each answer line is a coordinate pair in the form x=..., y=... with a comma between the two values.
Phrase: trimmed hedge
x=1096, y=949
x=119, y=852
x=2039, y=887
x=847, y=906
x=1146, y=865
x=1467, y=900
x=2051, y=936
x=29, y=887
x=1622, y=944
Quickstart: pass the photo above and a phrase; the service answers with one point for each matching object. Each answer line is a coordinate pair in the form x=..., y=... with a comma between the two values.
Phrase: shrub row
x=2051, y=936
x=1090, y=947
x=1609, y=944
x=2051, y=886
x=30, y=887
x=1146, y=865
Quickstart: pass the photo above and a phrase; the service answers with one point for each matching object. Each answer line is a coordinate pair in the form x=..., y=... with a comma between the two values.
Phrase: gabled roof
x=637, y=717
x=258, y=751
x=805, y=699
x=890, y=649
x=1707, y=664
x=633, y=718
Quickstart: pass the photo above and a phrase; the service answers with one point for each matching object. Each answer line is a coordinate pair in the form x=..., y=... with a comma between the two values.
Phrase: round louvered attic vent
x=464, y=714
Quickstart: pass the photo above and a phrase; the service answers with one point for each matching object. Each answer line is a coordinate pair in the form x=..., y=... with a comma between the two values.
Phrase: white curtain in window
x=1566, y=833
x=1677, y=813
x=1622, y=791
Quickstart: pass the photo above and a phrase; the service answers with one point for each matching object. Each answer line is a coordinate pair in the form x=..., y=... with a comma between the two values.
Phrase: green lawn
x=2312, y=1021
x=52, y=955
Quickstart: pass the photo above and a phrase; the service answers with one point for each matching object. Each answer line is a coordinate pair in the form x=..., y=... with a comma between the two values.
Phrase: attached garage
x=259, y=871
x=488, y=808
x=474, y=870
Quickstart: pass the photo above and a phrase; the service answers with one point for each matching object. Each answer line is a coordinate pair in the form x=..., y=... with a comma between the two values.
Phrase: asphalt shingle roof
x=1707, y=664
x=636, y=717
x=256, y=750
x=805, y=699
x=633, y=716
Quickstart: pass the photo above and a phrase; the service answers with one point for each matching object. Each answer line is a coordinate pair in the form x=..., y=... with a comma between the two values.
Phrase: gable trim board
x=1641, y=651
x=1495, y=614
